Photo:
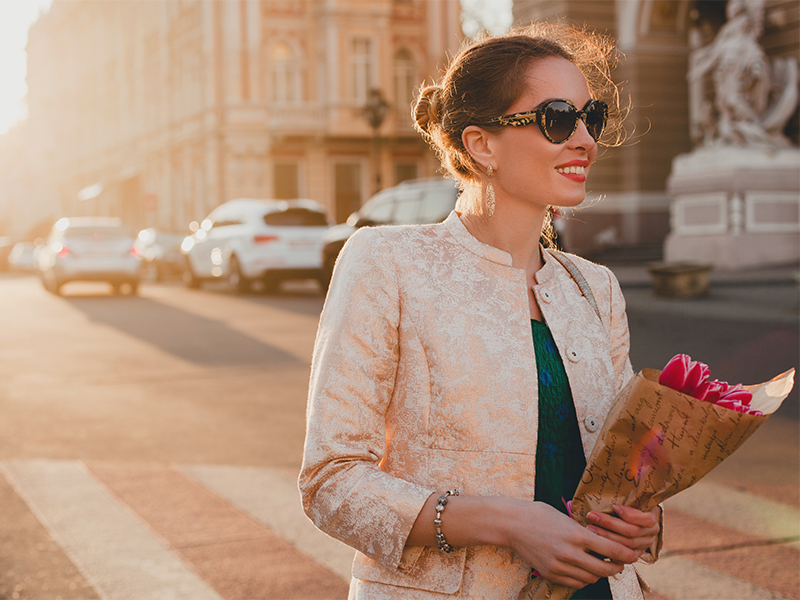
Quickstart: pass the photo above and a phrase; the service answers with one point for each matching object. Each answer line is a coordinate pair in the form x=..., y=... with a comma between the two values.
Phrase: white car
x=23, y=257
x=89, y=249
x=246, y=240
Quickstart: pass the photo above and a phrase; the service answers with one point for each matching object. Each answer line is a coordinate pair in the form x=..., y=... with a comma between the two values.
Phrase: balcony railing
x=300, y=118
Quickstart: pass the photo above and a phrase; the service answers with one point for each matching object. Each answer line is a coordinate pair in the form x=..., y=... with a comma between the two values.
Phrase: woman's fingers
x=629, y=522
x=632, y=528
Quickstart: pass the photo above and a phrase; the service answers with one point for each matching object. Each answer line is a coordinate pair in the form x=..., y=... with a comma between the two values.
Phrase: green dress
x=559, y=451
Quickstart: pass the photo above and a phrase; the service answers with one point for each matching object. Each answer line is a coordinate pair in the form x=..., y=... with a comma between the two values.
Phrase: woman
x=460, y=375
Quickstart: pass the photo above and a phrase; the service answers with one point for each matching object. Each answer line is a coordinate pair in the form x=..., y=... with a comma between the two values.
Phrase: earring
x=490, y=193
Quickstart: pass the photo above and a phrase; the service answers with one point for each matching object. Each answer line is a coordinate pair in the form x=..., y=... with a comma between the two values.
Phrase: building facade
x=159, y=111
x=627, y=212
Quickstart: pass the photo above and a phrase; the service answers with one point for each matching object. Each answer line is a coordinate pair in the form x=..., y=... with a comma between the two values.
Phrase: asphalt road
x=171, y=425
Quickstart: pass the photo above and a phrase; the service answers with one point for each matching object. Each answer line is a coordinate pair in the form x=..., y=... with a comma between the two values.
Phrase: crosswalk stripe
x=233, y=552
x=271, y=496
x=109, y=545
x=116, y=549
x=738, y=510
x=681, y=578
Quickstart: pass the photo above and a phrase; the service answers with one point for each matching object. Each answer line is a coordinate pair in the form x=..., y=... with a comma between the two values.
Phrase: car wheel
x=189, y=278
x=151, y=273
x=238, y=282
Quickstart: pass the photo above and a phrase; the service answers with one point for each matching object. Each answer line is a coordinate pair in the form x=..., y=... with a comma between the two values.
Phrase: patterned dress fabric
x=424, y=378
x=559, y=453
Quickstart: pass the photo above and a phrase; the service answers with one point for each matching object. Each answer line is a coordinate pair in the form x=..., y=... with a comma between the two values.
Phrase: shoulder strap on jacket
x=573, y=270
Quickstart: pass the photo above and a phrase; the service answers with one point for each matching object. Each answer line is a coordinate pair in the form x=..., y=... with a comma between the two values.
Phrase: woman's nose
x=581, y=138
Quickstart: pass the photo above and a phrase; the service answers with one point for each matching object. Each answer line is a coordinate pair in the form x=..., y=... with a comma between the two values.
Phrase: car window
x=407, y=207
x=380, y=213
x=169, y=239
x=437, y=204
x=296, y=217
x=96, y=232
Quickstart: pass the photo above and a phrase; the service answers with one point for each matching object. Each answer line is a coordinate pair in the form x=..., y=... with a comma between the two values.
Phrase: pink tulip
x=691, y=378
x=737, y=393
x=674, y=374
x=695, y=378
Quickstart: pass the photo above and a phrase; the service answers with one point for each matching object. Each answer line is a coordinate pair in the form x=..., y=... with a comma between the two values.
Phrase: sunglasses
x=558, y=119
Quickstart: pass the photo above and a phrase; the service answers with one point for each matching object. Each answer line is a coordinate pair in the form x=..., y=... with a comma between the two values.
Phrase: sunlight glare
x=16, y=16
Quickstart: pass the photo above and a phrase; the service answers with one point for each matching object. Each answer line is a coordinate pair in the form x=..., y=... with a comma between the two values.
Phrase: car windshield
x=296, y=217
x=96, y=232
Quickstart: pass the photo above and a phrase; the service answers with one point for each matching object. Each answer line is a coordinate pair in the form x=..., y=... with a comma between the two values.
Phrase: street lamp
x=375, y=111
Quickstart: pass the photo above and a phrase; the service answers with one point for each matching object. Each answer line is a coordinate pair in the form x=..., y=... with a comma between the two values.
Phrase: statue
x=752, y=98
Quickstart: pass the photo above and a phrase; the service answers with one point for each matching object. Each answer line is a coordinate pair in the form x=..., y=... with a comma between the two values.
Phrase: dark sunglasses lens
x=596, y=119
x=559, y=120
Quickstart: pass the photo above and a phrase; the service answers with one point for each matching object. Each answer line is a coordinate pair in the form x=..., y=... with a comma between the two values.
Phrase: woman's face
x=528, y=168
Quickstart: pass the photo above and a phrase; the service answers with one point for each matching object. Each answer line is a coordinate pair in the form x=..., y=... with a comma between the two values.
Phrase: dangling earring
x=490, y=193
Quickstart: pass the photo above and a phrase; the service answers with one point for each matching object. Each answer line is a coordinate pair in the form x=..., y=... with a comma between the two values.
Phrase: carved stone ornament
x=753, y=98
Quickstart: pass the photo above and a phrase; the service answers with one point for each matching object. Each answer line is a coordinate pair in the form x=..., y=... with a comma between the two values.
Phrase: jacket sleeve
x=343, y=489
x=618, y=333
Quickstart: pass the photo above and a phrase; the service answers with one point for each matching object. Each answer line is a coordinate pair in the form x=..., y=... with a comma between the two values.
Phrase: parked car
x=246, y=240
x=160, y=252
x=23, y=257
x=6, y=245
x=412, y=202
x=89, y=249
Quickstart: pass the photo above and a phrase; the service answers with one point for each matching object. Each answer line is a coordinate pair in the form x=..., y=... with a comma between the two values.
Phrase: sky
x=16, y=16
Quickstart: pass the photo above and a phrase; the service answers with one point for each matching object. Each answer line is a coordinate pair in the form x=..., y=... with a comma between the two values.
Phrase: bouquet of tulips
x=665, y=431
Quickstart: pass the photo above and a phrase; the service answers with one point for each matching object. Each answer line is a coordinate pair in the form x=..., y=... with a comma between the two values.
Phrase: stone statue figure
x=752, y=98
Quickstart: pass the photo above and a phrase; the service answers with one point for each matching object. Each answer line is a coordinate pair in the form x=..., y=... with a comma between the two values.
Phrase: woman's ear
x=477, y=143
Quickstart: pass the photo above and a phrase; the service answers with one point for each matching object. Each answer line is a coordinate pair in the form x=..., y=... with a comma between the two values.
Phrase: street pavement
x=185, y=487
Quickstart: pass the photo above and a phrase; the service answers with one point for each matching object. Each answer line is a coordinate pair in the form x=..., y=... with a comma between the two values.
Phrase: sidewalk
x=765, y=295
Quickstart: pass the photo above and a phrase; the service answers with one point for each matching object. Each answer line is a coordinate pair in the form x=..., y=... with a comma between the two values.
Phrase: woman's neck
x=512, y=230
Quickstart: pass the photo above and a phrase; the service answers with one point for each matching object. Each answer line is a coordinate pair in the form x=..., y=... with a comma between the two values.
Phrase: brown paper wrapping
x=656, y=442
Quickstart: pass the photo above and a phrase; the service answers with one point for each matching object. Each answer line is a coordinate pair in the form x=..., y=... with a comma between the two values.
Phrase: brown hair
x=485, y=78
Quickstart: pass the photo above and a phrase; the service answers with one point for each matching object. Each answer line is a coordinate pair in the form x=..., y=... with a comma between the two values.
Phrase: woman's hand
x=631, y=527
x=563, y=551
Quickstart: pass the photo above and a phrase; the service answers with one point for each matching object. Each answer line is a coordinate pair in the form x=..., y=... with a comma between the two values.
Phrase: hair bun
x=426, y=112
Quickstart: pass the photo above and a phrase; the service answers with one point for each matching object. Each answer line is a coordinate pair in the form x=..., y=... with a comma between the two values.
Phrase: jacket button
x=546, y=296
x=573, y=355
x=592, y=423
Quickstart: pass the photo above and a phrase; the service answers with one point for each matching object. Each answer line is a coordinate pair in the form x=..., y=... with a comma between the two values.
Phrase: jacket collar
x=495, y=255
x=466, y=239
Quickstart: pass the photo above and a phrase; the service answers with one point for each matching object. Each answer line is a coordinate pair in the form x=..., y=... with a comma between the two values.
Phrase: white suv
x=246, y=240
x=89, y=249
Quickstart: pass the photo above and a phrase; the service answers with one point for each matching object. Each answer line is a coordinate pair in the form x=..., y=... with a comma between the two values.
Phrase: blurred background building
x=159, y=111
x=657, y=38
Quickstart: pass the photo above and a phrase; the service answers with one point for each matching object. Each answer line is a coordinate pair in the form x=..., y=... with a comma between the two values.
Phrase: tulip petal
x=674, y=374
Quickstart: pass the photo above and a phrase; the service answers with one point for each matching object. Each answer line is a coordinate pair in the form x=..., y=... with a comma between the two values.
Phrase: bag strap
x=573, y=270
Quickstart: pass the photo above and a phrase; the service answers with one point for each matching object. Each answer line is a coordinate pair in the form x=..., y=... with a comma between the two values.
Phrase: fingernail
x=593, y=517
x=593, y=530
x=618, y=509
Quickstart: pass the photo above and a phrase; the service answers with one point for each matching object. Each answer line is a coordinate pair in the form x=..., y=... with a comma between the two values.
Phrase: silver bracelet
x=437, y=522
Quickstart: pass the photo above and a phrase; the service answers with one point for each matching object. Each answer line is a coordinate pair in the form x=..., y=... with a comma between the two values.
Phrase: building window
x=284, y=68
x=404, y=80
x=362, y=69
x=347, y=189
x=404, y=171
x=285, y=176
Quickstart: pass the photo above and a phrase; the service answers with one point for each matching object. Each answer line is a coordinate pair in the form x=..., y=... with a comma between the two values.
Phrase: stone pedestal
x=735, y=207
x=680, y=280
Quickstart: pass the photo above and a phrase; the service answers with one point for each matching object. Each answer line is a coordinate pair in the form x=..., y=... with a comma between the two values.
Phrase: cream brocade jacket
x=423, y=379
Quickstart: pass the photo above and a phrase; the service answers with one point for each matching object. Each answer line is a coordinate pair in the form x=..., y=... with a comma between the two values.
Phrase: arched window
x=404, y=80
x=284, y=69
